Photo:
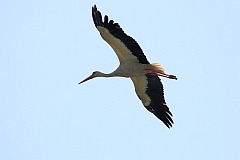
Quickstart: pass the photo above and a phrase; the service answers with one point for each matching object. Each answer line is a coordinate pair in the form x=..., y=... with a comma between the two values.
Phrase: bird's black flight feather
x=118, y=33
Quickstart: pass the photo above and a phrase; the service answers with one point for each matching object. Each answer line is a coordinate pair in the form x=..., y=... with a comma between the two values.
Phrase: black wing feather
x=158, y=105
x=118, y=33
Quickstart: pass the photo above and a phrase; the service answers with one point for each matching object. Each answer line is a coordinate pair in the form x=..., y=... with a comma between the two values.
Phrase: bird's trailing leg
x=170, y=76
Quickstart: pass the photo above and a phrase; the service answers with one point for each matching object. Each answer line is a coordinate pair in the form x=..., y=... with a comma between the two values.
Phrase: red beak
x=88, y=78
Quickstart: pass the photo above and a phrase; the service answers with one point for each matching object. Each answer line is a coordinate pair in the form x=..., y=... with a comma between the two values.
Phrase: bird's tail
x=158, y=68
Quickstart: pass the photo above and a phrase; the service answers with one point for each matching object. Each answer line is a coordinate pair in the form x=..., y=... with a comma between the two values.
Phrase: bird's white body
x=127, y=69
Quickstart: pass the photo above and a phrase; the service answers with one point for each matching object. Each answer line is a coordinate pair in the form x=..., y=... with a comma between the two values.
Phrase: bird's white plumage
x=140, y=84
x=134, y=64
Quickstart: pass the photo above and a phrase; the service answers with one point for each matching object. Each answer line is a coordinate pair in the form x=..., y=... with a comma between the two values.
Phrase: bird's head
x=93, y=75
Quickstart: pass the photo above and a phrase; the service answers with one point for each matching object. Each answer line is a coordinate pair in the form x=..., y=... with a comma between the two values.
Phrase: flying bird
x=134, y=65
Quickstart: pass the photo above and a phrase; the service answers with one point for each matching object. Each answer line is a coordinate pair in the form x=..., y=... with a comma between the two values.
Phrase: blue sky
x=48, y=46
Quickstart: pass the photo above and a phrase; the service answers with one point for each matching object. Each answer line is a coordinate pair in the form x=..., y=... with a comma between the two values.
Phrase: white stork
x=134, y=64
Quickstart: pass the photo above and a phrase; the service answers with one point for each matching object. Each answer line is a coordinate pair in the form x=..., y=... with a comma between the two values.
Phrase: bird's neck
x=101, y=74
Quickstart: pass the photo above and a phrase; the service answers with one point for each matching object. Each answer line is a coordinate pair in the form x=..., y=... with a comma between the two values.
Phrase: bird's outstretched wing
x=124, y=46
x=150, y=91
